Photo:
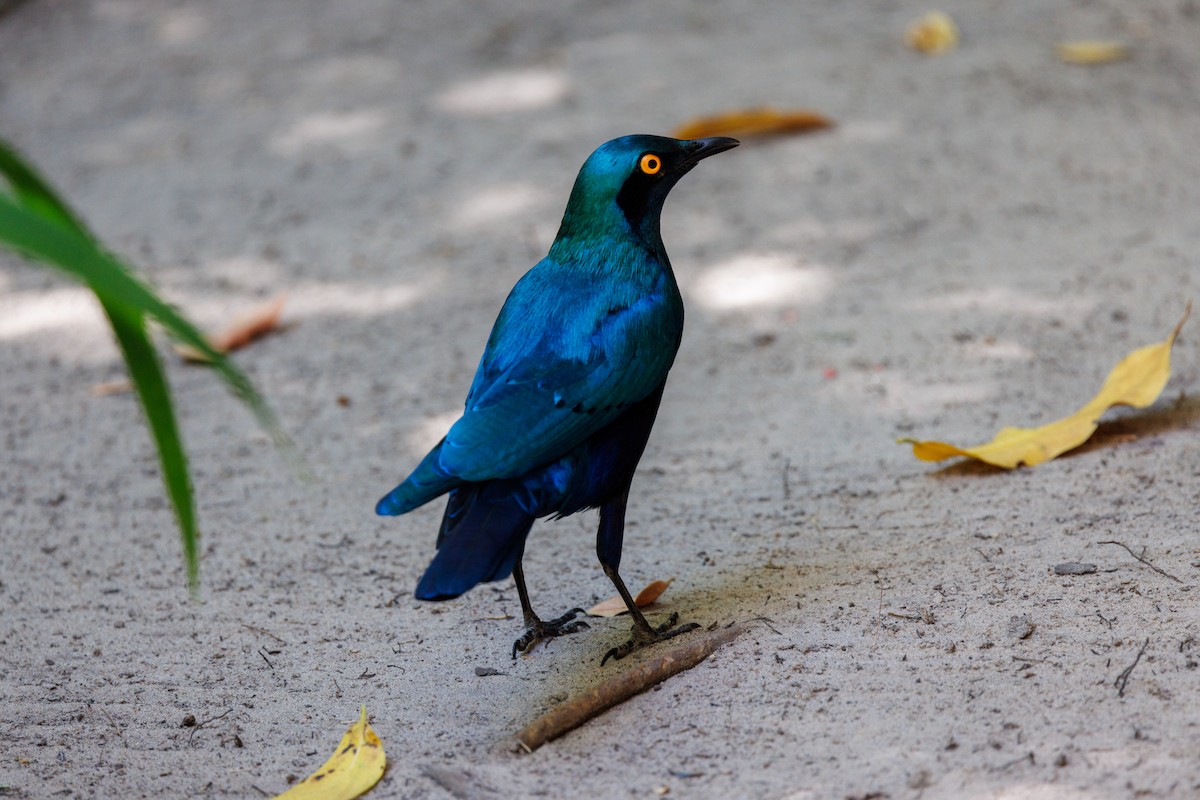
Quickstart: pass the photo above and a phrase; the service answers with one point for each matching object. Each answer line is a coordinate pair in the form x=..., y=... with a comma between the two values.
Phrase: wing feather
x=555, y=373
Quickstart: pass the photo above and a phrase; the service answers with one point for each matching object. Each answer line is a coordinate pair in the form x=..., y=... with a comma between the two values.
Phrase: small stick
x=1142, y=559
x=1123, y=678
x=263, y=631
x=618, y=689
x=200, y=725
x=103, y=711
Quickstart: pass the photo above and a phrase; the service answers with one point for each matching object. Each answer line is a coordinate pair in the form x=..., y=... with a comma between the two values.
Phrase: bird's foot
x=646, y=636
x=536, y=630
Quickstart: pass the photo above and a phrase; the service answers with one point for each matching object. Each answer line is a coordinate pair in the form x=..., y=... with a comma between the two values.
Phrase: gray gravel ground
x=978, y=241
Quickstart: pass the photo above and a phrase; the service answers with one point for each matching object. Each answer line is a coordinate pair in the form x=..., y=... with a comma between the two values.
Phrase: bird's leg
x=608, y=548
x=535, y=628
x=643, y=633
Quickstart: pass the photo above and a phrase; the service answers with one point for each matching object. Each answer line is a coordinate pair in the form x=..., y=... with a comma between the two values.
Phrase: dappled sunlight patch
x=317, y=299
x=505, y=91
x=35, y=313
x=349, y=130
x=252, y=278
x=499, y=203
x=901, y=395
x=181, y=26
x=761, y=280
x=430, y=431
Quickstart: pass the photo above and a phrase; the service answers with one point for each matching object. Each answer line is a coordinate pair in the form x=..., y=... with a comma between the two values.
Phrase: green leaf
x=146, y=372
x=68, y=248
x=33, y=192
x=39, y=225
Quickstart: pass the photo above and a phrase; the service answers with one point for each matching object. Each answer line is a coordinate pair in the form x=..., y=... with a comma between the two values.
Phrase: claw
x=646, y=636
x=536, y=630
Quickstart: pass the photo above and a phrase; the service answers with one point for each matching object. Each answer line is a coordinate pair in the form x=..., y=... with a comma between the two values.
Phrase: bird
x=567, y=390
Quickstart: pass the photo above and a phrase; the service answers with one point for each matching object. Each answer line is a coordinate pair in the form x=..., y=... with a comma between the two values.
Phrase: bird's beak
x=698, y=149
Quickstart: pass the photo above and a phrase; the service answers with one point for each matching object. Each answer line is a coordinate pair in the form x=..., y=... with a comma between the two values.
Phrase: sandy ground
x=975, y=245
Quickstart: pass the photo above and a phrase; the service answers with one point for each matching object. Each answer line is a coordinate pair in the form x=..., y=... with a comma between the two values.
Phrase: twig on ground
x=1027, y=757
x=195, y=726
x=620, y=688
x=263, y=631
x=1123, y=679
x=91, y=706
x=1142, y=559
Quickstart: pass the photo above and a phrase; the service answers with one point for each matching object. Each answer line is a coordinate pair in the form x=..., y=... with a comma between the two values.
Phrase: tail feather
x=426, y=482
x=482, y=538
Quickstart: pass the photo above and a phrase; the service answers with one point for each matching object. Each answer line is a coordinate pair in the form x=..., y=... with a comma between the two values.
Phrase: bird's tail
x=425, y=483
x=482, y=538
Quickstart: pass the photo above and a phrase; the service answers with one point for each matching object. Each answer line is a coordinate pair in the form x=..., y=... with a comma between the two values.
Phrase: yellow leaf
x=355, y=766
x=615, y=606
x=752, y=122
x=933, y=33
x=1091, y=52
x=1137, y=381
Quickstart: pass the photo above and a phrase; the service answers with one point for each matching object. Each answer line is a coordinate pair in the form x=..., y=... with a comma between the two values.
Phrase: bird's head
x=625, y=182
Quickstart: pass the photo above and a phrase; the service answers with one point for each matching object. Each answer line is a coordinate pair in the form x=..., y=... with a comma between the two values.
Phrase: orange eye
x=650, y=164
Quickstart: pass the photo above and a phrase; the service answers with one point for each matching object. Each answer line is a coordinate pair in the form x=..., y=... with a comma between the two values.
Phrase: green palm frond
x=37, y=224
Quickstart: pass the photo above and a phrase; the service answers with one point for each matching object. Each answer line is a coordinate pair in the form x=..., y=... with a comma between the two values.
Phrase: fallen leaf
x=255, y=323
x=355, y=766
x=745, y=122
x=108, y=388
x=933, y=33
x=1136, y=381
x=615, y=606
x=1091, y=52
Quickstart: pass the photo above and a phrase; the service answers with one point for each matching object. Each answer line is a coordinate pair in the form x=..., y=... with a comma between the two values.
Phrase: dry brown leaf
x=933, y=33
x=1136, y=381
x=764, y=121
x=244, y=329
x=615, y=606
x=1091, y=52
x=109, y=388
